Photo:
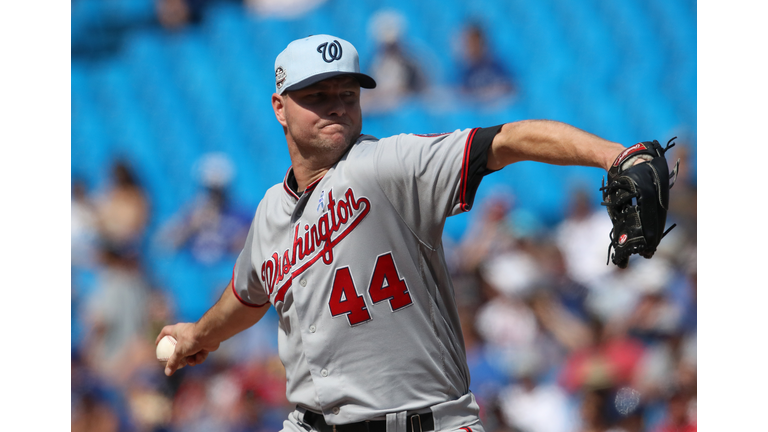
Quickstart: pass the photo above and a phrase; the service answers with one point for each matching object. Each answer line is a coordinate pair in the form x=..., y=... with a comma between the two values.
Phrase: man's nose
x=336, y=105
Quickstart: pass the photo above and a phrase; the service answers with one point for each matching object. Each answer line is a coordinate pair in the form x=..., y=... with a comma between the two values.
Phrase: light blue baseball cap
x=307, y=61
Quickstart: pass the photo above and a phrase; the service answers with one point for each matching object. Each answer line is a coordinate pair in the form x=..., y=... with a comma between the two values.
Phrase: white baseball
x=165, y=348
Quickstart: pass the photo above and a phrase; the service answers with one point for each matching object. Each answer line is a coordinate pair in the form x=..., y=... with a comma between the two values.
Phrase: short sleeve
x=475, y=164
x=245, y=281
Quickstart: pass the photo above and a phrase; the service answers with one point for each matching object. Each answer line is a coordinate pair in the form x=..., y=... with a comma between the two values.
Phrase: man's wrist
x=201, y=331
x=611, y=158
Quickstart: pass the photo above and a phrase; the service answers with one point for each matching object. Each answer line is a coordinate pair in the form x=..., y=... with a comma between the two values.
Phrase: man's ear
x=278, y=106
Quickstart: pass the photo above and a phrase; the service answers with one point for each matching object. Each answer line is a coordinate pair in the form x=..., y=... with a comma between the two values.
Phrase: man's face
x=325, y=116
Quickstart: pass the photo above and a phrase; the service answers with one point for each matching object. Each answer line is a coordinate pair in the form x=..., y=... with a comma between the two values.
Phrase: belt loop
x=397, y=422
x=334, y=428
x=413, y=426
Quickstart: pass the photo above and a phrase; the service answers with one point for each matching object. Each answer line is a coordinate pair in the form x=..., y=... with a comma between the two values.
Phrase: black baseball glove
x=637, y=199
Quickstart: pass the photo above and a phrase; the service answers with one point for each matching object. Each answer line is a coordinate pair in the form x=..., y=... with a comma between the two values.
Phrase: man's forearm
x=227, y=318
x=550, y=142
x=196, y=340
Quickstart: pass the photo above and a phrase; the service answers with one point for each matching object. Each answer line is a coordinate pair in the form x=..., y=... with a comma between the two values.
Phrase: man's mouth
x=331, y=125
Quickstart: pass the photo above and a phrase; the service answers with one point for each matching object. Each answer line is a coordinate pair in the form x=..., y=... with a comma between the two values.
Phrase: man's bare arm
x=550, y=142
x=222, y=321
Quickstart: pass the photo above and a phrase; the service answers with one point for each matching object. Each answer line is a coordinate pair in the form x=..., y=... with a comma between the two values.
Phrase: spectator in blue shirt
x=483, y=76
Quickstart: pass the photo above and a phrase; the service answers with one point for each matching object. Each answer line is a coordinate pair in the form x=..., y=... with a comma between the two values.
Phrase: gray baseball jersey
x=355, y=268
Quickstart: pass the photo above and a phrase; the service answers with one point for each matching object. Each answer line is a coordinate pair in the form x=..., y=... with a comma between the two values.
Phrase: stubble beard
x=327, y=149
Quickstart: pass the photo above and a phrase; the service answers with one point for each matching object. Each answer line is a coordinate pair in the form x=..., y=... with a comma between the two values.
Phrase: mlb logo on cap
x=313, y=59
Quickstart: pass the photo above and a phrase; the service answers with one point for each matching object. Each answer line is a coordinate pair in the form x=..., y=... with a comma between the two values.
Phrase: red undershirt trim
x=253, y=305
x=313, y=184
x=465, y=171
x=285, y=184
x=291, y=192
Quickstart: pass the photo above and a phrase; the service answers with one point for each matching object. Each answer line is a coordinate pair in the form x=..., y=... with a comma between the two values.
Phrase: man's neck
x=305, y=177
x=308, y=168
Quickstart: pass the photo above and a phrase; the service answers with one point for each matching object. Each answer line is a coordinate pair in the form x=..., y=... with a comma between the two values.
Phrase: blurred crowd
x=119, y=306
x=556, y=340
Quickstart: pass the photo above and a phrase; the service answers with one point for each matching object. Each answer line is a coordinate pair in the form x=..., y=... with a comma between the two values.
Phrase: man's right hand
x=189, y=350
x=194, y=341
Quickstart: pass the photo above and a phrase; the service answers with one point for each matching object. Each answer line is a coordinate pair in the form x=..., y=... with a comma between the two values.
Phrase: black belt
x=412, y=424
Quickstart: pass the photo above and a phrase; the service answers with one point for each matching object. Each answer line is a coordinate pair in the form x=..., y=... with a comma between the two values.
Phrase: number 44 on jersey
x=385, y=285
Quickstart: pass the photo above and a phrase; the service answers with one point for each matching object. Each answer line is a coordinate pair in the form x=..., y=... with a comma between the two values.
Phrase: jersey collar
x=291, y=186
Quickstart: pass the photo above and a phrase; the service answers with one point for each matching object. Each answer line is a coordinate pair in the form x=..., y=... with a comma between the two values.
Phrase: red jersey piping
x=465, y=171
x=253, y=305
x=291, y=192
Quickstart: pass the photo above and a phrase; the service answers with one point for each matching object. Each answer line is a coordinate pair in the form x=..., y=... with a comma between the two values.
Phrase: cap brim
x=364, y=80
